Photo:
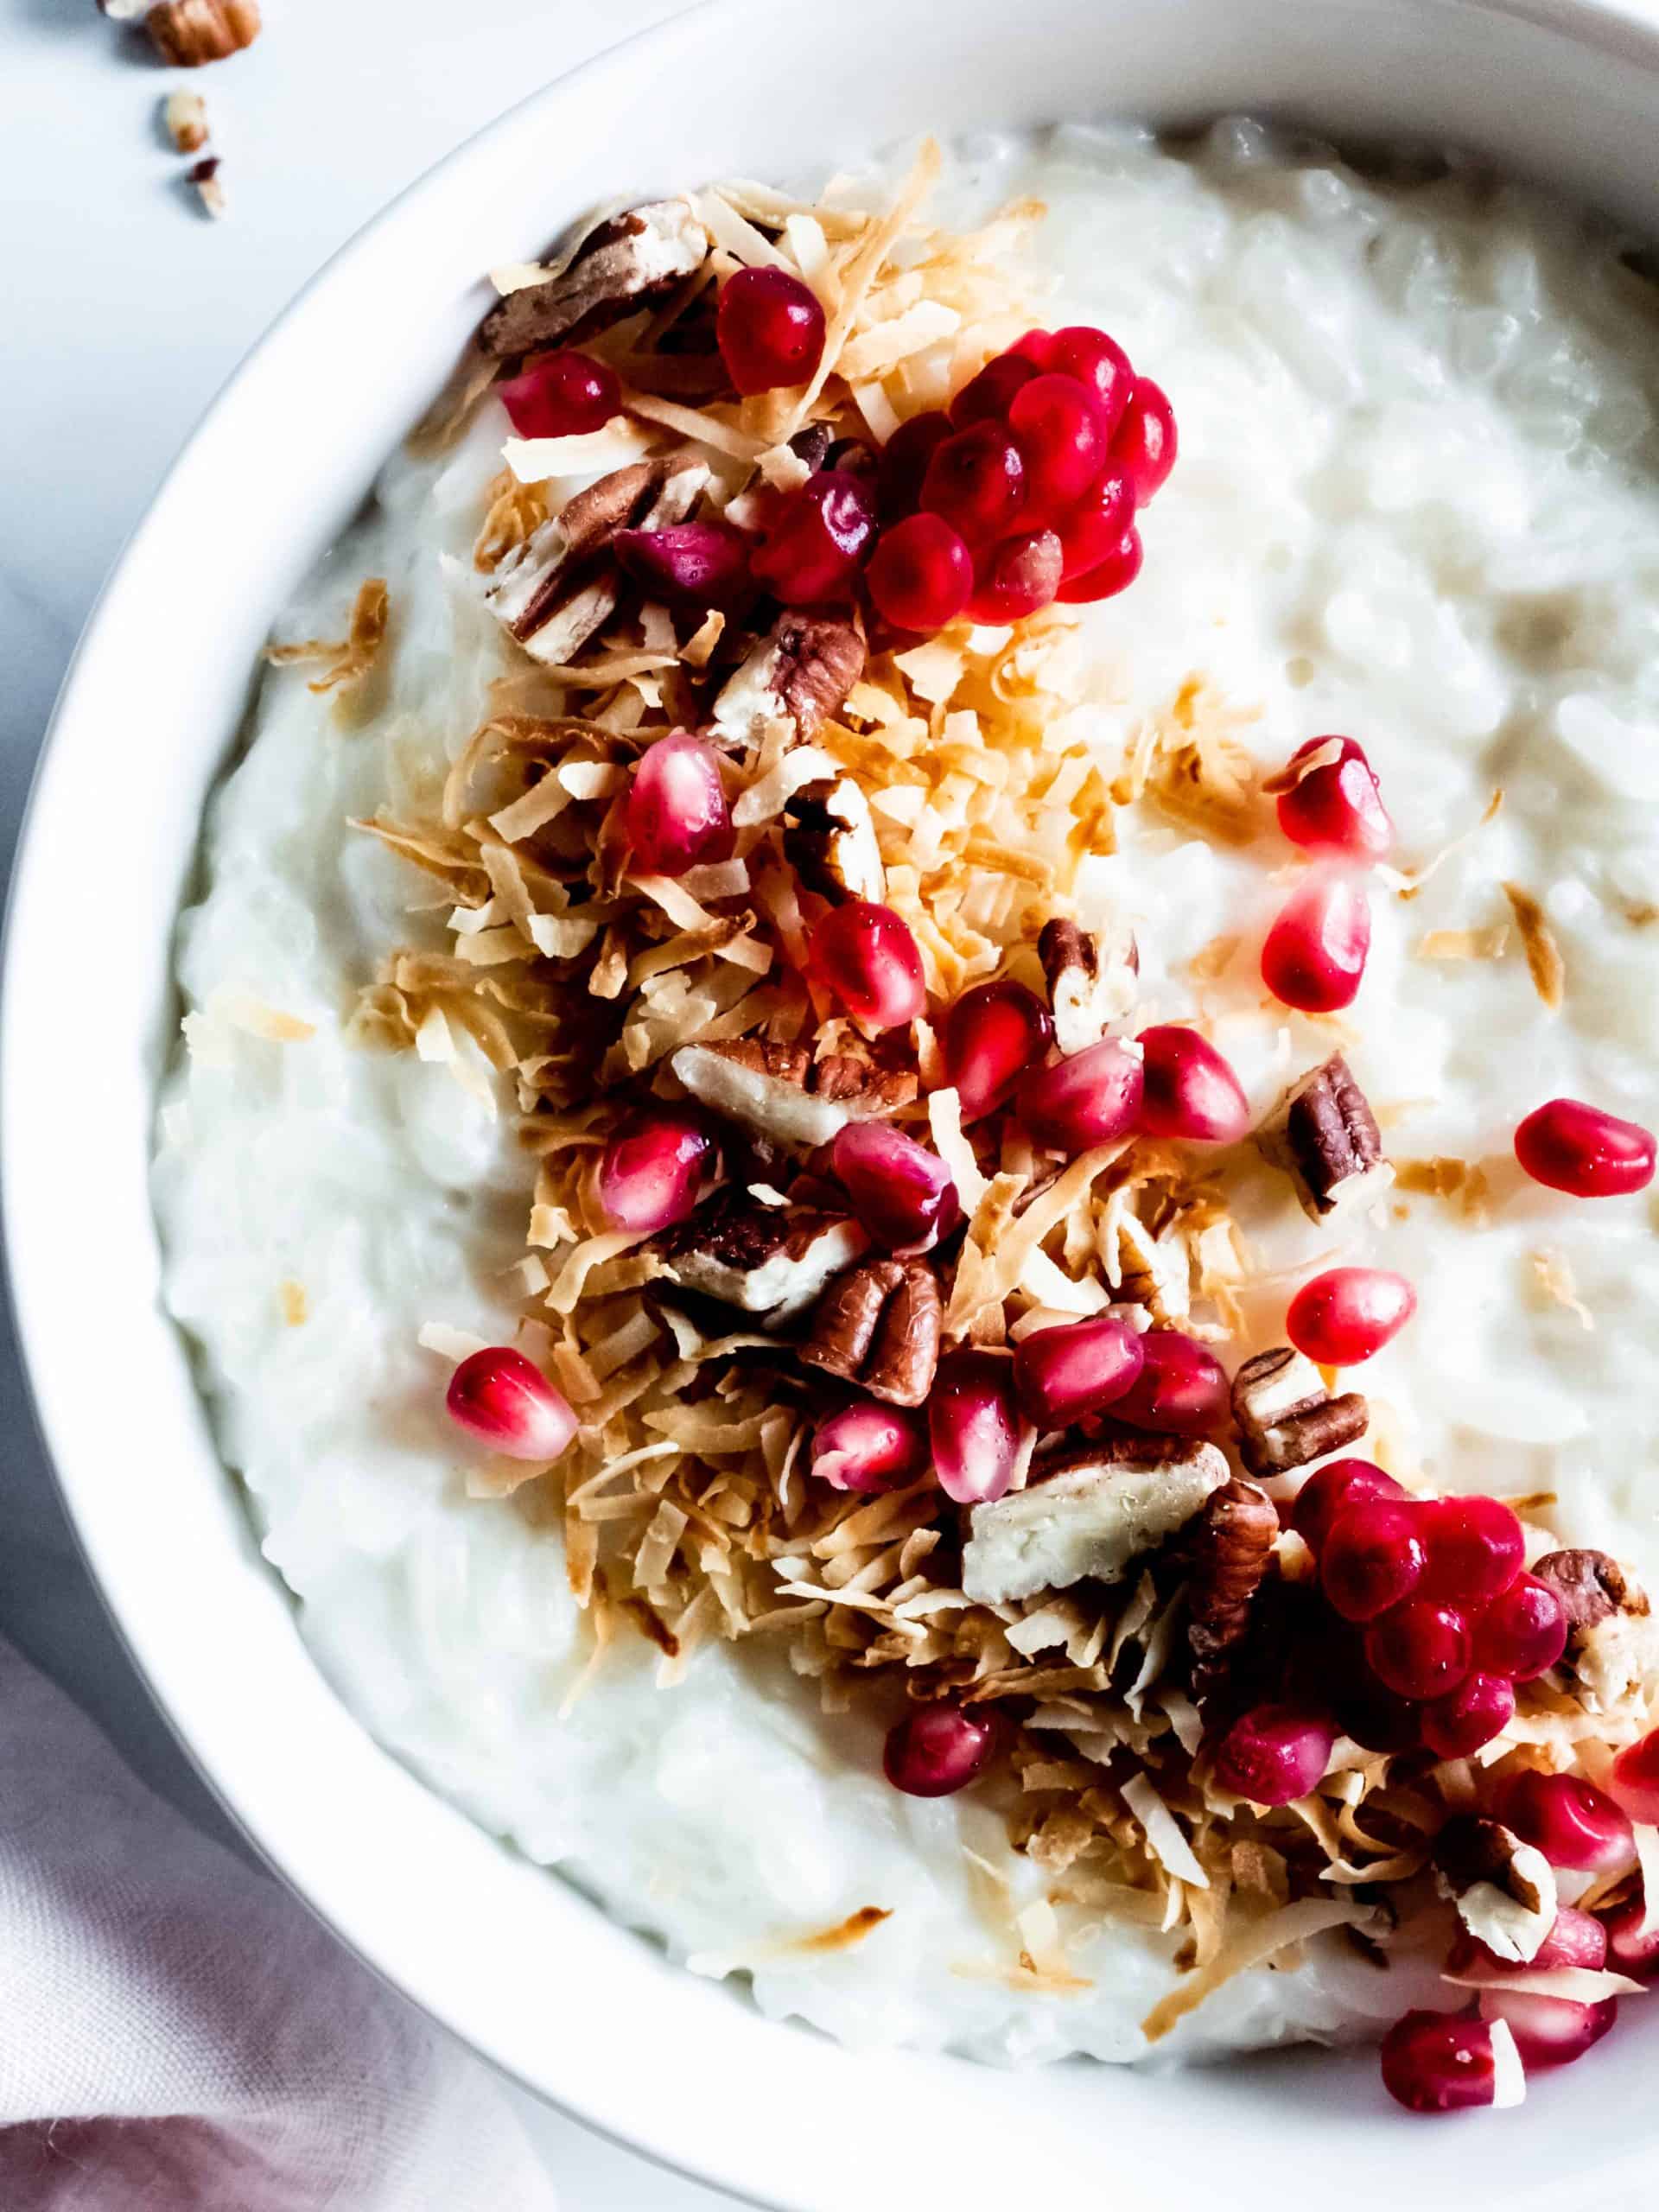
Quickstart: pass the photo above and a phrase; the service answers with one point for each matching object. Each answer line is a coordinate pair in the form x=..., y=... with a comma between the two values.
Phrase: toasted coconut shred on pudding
x=914, y=1162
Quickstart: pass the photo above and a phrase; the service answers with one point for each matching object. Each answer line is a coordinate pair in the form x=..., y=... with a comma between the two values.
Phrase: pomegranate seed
x=988, y=396
x=867, y=958
x=1189, y=1091
x=503, y=1399
x=1572, y=1823
x=1077, y=1368
x=1419, y=1650
x=1181, y=1389
x=813, y=546
x=1107, y=578
x=1522, y=1632
x=1037, y=347
x=1017, y=577
x=770, y=329
x=905, y=459
x=869, y=1447
x=704, y=562
x=899, y=1190
x=977, y=480
x=1372, y=1557
x=1575, y=1939
x=1475, y=1547
x=1062, y=438
x=1378, y=1721
x=652, y=1171
x=1346, y=1314
x=1098, y=363
x=564, y=396
x=937, y=1750
x=1481, y=1707
x=1315, y=952
x=1088, y=1099
x=676, y=814
x=1634, y=1780
x=1633, y=1947
x=1577, y=1149
x=1144, y=446
x=1096, y=528
x=1331, y=1489
x=921, y=574
x=1272, y=1754
x=991, y=1036
x=1548, y=2031
x=1435, y=2062
x=1335, y=807
x=974, y=1427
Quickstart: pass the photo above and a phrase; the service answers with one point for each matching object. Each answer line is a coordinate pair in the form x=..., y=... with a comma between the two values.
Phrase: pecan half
x=769, y=1260
x=1232, y=1551
x=829, y=841
x=188, y=32
x=1091, y=980
x=879, y=1326
x=1286, y=1416
x=1503, y=1890
x=626, y=262
x=1087, y=1516
x=800, y=673
x=781, y=1093
x=1325, y=1136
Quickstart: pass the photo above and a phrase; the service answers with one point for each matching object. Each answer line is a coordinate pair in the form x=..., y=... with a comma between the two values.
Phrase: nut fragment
x=829, y=841
x=184, y=117
x=1091, y=980
x=1325, y=1136
x=628, y=261
x=1286, y=1416
x=779, y=1093
x=189, y=32
x=1591, y=1586
x=770, y=1261
x=1503, y=1890
x=1613, y=1640
x=1155, y=1272
x=880, y=1327
x=1231, y=1553
x=800, y=673
x=1087, y=1517
x=209, y=190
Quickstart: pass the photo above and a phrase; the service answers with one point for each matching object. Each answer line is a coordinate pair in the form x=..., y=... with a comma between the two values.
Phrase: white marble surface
x=125, y=310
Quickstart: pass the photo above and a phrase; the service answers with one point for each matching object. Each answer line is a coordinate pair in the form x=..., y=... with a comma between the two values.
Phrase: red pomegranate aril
x=1315, y=952
x=1634, y=1780
x=770, y=329
x=1475, y=1546
x=1273, y=1754
x=1570, y=1147
x=869, y=1447
x=1063, y=437
x=1419, y=1650
x=905, y=459
x=1189, y=1092
x=651, y=1172
x=1522, y=1632
x=1077, y=1368
x=977, y=480
x=1435, y=2062
x=1548, y=2031
x=506, y=1401
x=1575, y=1939
x=1098, y=363
x=1331, y=1488
x=899, y=1190
x=921, y=574
x=1144, y=445
x=1095, y=529
x=705, y=563
x=991, y=1036
x=988, y=396
x=1372, y=1557
x=1335, y=807
x=1107, y=578
x=866, y=957
x=1481, y=1707
x=1346, y=1314
x=1181, y=1389
x=974, y=1426
x=1090, y=1099
x=815, y=544
x=1575, y=1824
x=937, y=1750
x=563, y=395
x=676, y=814
x=1632, y=1946
x=1016, y=578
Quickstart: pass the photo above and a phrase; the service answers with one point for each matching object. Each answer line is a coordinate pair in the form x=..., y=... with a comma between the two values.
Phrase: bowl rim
x=1626, y=29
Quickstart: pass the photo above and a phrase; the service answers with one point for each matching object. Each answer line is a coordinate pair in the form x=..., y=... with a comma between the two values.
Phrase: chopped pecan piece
x=1503, y=1890
x=770, y=1261
x=1325, y=1136
x=857, y=1083
x=829, y=841
x=800, y=673
x=781, y=1093
x=1087, y=1516
x=1613, y=1640
x=204, y=175
x=184, y=117
x=188, y=32
x=1592, y=1586
x=1091, y=980
x=812, y=444
x=1232, y=1551
x=627, y=261
x=879, y=1326
x=1286, y=1416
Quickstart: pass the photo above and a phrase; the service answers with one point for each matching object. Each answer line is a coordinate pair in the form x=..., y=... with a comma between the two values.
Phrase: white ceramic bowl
x=500, y=1952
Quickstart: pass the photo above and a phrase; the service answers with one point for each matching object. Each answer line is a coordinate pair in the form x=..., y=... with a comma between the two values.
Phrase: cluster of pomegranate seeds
x=652, y=1170
x=1578, y=1148
x=974, y=1426
x=864, y=956
x=770, y=329
x=938, y=1749
x=506, y=1401
x=562, y=396
x=899, y=1190
x=1064, y=1374
x=675, y=816
x=868, y=1446
x=1342, y=1316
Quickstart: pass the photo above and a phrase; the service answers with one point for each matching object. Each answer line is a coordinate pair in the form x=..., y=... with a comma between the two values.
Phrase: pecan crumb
x=1091, y=980
x=1591, y=1586
x=187, y=34
x=209, y=190
x=879, y=1326
x=184, y=117
x=1325, y=1136
x=1232, y=1551
x=1286, y=1416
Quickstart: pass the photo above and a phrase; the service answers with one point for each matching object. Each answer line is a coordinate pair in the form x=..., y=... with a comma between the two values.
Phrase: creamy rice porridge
x=1414, y=503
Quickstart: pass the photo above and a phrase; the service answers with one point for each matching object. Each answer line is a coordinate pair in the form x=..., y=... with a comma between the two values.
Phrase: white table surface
x=123, y=311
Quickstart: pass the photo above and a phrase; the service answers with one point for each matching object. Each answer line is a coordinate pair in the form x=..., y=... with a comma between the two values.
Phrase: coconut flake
x=1164, y=1837
x=454, y=1345
x=1508, y=2075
